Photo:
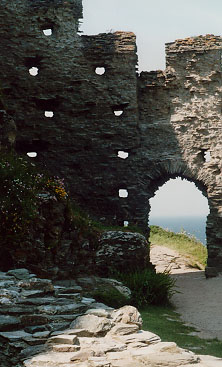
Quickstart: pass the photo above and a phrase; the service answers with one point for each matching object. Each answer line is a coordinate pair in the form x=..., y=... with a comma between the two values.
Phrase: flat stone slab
x=62, y=348
x=123, y=329
x=142, y=336
x=52, y=359
x=19, y=273
x=98, y=312
x=8, y=322
x=15, y=335
x=64, y=339
x=210, y=361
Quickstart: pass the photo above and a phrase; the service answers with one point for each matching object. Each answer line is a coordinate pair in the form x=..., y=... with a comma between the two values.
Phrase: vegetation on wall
x=23, y=188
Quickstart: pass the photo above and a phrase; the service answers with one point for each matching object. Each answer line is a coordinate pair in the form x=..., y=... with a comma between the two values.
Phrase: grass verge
x=166, y=323
x=188, y=246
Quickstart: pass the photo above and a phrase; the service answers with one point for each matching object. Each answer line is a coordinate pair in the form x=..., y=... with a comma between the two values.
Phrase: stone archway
x=179, y=205
x=213, y=262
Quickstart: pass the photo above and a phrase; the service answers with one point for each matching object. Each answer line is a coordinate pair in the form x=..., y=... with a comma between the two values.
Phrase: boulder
x=121, y=251
x=93, y=325
x=45, y=285
x=96, y=284
x=20, y=273
x=123, y=329
x=127, y=315
x=64, y=339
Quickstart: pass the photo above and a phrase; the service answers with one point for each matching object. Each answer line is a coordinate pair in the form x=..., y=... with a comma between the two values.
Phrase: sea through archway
x=180, y=206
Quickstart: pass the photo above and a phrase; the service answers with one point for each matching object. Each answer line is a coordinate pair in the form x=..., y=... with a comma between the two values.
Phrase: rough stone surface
x=92, y=283
x=127, y=315
x=121, y=251
x=94, y=325
x=170, y=121
x=107, y=338
x=7, y=130
x=32, y=311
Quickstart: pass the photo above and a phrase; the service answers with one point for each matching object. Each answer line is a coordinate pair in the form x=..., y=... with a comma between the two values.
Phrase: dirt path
x=200, y=300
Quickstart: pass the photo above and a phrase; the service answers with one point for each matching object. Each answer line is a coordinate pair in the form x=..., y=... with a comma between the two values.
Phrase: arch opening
x=179, y=205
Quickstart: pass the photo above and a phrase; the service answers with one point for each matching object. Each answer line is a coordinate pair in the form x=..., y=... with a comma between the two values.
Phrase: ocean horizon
x=192, y=225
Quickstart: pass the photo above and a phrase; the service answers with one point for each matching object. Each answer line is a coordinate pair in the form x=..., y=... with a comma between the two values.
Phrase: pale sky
x=178, y=198
x=156, y=22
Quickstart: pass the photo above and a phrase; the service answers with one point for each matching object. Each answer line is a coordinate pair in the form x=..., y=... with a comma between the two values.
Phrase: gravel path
x=200, y=300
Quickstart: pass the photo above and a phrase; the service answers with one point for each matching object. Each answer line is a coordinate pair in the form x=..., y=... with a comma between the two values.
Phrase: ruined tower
x=115, y=135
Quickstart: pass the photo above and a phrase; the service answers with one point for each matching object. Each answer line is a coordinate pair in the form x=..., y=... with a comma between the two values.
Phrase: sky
x=178, y=198
x=156, y=23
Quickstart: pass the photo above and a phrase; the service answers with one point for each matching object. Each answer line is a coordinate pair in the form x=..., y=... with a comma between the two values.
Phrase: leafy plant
x=111, y=297
x=23, y=189
x=148, y=287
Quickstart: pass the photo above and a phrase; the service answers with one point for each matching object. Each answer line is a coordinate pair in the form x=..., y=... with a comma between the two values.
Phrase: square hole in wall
x=47, y=32
x=33, y=71
x=207, y=156
x=32, y=154
x=118, y=112
x=100, y=70
x=122, y=154
x=49, y=114
x=125, y=223
x=123, y=193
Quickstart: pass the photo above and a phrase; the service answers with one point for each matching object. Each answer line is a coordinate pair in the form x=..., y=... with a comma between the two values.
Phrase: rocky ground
x=165, y=258
x=54, y=325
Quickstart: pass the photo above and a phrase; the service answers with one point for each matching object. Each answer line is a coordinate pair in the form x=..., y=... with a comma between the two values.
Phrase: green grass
x=188, y=246
x=166, y=323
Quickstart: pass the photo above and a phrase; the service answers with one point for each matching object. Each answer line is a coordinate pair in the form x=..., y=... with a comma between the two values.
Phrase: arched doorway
x=180, y=205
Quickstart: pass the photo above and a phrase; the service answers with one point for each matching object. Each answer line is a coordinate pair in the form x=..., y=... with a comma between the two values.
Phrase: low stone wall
x=34, y=314
x=34, y=309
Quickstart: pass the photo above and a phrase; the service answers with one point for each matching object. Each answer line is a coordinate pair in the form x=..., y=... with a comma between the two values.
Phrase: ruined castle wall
x=82, y=139
x=169, y=119
x=191, y=127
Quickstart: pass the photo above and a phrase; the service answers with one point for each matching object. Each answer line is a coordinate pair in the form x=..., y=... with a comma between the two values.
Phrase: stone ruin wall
x=170, y=118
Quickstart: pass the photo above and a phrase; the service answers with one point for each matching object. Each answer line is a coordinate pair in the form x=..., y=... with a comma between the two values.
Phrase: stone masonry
x=83, y=124
x=44, y=324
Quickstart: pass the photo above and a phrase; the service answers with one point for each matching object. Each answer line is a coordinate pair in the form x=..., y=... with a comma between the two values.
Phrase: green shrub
x=23, y=189
x=148, y=287
x=110, y=297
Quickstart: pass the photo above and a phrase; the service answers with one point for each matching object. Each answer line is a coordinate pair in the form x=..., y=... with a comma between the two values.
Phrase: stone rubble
x=58, y=327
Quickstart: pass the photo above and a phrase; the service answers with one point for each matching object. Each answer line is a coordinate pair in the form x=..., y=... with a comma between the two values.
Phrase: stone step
x=64, y=339
x=70, y=308
x=51, y=359
x=73, y=290
x=13, y=309
x=73, y=296
x=62, y=348
x=8, y=323
x=38, y=301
